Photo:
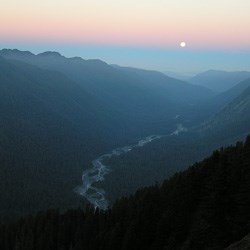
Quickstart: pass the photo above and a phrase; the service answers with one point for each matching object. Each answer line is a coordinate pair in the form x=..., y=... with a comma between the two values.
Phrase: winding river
x=95, y=195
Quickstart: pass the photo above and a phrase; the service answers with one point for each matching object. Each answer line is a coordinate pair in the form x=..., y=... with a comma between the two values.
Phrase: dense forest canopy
x=204, y=207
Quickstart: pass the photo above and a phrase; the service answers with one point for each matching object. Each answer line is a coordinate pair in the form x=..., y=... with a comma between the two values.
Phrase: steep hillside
x=145, y=97
x=96, y=75
x=172, y=153
x=243, y=244
x=232, y=121
x=228, y=96
x=219, y=101
x=204, y=207
x=48, y=134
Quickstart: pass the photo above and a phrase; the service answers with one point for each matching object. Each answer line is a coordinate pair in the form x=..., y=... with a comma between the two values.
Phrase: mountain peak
x=15, y=52
x=77, y=58
x=96, y=61
x=50, y=54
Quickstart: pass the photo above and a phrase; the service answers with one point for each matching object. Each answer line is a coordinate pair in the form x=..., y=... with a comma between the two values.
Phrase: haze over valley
x=59, y=114
x=124, y=125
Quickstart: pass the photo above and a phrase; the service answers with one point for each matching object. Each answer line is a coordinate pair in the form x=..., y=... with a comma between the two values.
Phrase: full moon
x=183, y=44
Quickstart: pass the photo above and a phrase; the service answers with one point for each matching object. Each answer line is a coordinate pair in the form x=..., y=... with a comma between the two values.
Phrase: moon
x=183, y=44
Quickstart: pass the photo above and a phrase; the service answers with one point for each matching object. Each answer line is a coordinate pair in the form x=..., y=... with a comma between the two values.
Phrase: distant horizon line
x=187, y=74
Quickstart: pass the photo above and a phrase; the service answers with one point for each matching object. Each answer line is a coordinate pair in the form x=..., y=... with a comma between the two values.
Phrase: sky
x=139, y=33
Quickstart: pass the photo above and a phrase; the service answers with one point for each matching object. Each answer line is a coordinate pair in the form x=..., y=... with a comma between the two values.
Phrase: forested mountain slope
x=98, y=76
x=243, y=244
x=232, y=121
x=221, y=100
x=204, y=207
x=144, y=166
x=59, y=114
x=147, y=99
x=228, y=96
x=43, y=142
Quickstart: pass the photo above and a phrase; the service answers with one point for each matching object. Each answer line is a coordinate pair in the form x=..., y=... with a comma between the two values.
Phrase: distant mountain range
x=135, y=96
x=219, y=81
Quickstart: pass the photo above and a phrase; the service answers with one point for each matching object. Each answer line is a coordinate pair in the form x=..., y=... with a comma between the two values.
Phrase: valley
x=59, y=113
x=124, y=125
x=96, y=196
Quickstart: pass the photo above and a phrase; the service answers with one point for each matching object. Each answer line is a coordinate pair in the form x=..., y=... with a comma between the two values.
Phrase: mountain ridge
x=54, y=123
x=218, y=80
x=47, y=104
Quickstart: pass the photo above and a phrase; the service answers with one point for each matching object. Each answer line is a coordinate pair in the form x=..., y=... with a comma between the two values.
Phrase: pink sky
x=139, y=33
x=215, y=24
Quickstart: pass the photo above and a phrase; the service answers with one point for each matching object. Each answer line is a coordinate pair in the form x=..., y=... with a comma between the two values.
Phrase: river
x=95, y=195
